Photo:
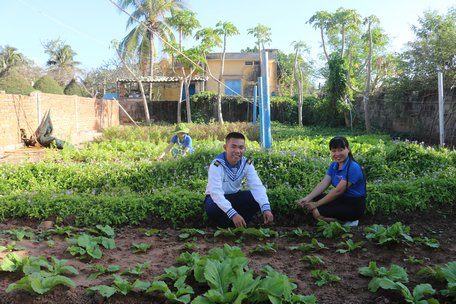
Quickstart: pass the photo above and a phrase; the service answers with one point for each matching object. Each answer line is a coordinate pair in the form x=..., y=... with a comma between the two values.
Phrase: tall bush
x=74, y=88
x=13, y=83
x=47, y=84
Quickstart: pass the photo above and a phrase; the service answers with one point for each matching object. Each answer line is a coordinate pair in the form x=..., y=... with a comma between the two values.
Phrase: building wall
x=73, y=117
x=237, y=69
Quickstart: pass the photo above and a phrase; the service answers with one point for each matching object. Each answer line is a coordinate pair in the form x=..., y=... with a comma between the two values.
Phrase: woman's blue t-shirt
x=185, y=143
x=355, y=177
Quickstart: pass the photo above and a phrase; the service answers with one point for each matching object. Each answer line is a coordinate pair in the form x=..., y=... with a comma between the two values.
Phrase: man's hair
x=236, y=135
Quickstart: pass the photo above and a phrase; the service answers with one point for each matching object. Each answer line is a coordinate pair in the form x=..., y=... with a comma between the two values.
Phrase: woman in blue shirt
x=183, y=141
x=347, y=200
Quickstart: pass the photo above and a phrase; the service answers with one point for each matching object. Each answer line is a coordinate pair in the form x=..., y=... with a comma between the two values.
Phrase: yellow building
x=241, y=72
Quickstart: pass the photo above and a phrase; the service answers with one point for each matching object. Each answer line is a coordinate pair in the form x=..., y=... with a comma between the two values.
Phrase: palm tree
x=9, y=57
x=225, y=29
x=151, y=14
x=61, y=61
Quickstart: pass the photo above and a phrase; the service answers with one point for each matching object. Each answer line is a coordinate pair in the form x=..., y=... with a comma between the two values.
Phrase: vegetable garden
x=128, y=229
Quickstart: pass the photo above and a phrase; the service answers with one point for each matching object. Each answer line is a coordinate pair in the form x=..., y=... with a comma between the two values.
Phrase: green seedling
x=10, y=247
x=314, y=260
x=323, y=277
x=141, y=248
x=99, y=270
x=349, y=245
x=265, y=249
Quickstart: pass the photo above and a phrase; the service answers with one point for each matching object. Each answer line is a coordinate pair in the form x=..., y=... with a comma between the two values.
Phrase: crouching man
x=225, y=203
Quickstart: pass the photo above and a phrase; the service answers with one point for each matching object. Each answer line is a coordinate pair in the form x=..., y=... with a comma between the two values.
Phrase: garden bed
x=169, y=243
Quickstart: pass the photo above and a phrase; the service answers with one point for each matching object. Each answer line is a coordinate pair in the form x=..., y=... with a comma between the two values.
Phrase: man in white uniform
x=225, y=203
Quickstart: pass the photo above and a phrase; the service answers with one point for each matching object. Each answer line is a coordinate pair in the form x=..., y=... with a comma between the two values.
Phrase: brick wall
x=73, y=117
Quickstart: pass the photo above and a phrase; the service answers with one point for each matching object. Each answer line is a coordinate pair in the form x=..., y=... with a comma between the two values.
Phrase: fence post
x=255, y=89
x=441, y=108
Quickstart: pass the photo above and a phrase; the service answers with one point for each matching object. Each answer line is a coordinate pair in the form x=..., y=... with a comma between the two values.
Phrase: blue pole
x=255, y=90
x=266, y=101
x=260, y=93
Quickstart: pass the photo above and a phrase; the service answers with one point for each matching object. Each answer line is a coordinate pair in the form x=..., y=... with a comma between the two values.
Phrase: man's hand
x=238, y=221
x=268, y=217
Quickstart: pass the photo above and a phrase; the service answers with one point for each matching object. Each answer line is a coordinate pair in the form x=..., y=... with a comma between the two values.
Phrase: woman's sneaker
x=352, y=223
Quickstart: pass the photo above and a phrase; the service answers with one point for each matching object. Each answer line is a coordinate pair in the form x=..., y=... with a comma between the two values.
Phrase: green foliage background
x=117, y=180
x=47, y=84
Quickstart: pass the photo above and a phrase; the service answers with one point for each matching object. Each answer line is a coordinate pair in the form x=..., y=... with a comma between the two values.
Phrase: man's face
x=234, y=148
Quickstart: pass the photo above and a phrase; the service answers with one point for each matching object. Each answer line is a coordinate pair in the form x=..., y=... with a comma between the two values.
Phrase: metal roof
x=159, y=79
x=272, y=53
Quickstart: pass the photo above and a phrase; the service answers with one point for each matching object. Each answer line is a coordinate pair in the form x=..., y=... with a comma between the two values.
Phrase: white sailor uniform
x=224, y=198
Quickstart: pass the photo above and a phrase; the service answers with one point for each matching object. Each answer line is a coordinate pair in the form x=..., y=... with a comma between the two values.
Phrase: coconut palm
x=61, y=63
x=9, y=57
x=224, y=29
x=151, y=14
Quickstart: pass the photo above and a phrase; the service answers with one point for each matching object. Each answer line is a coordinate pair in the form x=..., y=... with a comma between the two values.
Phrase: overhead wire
x=175, y=49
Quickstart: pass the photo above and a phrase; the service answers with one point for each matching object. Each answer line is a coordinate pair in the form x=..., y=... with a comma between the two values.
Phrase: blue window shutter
x=191, y=90
x=234, y=85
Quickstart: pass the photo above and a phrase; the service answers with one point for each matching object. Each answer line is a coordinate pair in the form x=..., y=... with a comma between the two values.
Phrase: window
x=248, y=63
x=232, y=85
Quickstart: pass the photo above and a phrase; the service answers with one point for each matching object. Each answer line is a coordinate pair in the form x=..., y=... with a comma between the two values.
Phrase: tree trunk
x=151, y=66
x=179, y=103
x=219, y=87
x=187, y=97
x=367, y=91
x=141, y=88
x=323, y=42
x=300, y=98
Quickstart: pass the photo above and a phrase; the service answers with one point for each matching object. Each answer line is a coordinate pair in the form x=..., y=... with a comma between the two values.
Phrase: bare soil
x=438, y=222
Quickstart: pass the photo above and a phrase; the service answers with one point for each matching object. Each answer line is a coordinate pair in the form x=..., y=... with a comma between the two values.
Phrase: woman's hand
x=310, y=205
x=302, y=201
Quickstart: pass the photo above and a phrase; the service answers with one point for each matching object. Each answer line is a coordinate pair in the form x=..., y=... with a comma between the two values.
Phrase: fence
x=74, y=118
x=418, y=119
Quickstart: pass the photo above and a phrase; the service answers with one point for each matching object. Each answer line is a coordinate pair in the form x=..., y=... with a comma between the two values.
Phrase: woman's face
x=180, y=135
x=339, y=154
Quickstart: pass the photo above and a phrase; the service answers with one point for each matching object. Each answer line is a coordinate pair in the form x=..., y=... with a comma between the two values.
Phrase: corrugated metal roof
x=272, y=53
x=159, y=79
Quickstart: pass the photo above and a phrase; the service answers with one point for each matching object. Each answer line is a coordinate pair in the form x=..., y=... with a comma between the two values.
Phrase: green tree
x=141, y=39
x=263, y=35
x=61, y=63
x=359, y=44
x=9, y=57
x=322, y=20
x=75, y=88
x=47, y=84
x=433, y=48
x=13, y=82
x=336, y=84
x=184, y=22
x=225, y=29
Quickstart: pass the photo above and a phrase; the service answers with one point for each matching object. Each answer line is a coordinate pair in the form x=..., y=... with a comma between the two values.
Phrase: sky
x=89, y=26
